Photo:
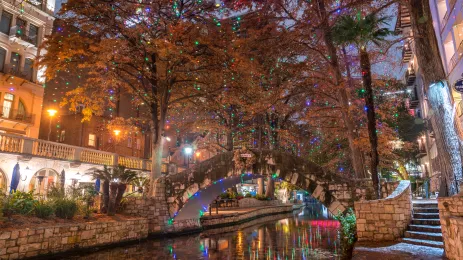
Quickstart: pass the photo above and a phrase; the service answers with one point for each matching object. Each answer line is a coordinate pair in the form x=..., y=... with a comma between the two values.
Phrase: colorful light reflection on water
x=308, y=235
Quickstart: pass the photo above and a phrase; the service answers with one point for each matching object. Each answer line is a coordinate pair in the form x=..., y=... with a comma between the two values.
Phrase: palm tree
x=124, y=177
x=106, y=176
x=362, y=32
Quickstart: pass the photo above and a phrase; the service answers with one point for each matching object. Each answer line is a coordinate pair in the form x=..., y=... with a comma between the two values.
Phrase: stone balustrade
x=385, y=219
x=451, y=220
x=41, y=148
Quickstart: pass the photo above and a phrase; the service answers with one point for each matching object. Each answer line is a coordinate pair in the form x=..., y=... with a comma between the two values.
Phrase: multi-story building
x=448, y=26
x=23, y=25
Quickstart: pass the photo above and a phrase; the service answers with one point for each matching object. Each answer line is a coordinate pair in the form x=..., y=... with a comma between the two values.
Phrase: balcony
x=50, y=150
x=22, y=37
x=404, y=21
x=421, y=151
x=456, y=57
x=407, y=53
x=410, y=77
x=413, y=102
x=445, y=20
x=7, y=113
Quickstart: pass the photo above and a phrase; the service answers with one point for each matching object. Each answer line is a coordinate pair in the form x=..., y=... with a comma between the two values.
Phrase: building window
x=5, y=22
x=129, y=142
x=138, y=144
x=91, y=140
x=33, y=34
x=21, y=110
x=62, y=136
x=2, y=59
x=20, y=27
x=14, y=61
x=36, y=3
x=7, y=105
x=28, y=69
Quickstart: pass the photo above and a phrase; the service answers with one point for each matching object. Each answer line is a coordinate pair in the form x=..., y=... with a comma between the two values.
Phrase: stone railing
x=251, y=202
x=385, y=219
x=451, y=220
x=41, y=148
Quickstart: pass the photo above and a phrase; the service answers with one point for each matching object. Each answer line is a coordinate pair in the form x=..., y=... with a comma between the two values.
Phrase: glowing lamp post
x=188, y=151
x=51, y=113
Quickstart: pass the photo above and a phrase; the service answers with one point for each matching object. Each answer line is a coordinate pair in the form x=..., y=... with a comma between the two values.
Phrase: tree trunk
x=120, y=193
x=442, y=119
x=112, y=199
x=371, y=116
x=270, y=191
x=230, y=140
x=355, y=153
x=105, y=202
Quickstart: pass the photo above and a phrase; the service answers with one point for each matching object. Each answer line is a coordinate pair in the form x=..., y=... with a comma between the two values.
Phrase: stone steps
x=425, y=205
x=424, y=235
x=425, y=210
x=430, y=222
x=425, y=228
x=419, y=242
x=426, y=215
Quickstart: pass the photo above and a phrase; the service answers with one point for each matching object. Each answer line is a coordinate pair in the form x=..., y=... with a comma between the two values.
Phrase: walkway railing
x=41, y=148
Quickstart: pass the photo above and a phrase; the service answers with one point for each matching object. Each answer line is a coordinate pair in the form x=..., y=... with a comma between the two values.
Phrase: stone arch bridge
x=189, y=193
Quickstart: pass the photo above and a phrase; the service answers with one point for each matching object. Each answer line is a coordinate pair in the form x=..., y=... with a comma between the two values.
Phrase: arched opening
x=43, y=180
x=191, y=185
x=3, y=182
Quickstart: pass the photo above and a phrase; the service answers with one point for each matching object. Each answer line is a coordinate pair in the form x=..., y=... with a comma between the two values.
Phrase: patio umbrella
x=62, y=179
x=15, y=178
x=97, y=184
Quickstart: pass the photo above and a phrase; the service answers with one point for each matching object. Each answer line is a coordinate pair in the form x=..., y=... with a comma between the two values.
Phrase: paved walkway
x=396, y=251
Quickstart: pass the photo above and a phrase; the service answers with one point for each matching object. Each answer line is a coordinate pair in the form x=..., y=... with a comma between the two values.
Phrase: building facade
x=447, y=18
x=23, y=25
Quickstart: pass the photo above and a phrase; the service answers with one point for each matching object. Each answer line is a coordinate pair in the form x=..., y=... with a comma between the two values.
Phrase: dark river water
x=306, y=234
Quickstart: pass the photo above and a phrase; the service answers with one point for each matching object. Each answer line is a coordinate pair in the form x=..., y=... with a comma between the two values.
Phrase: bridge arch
x=220, y=171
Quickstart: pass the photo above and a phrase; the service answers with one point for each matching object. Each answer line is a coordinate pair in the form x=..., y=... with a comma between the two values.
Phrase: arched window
x=43, y=181
x=7, y=105
x=21, y=108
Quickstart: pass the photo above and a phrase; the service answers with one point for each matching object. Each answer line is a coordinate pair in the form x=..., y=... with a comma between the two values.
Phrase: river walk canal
x=309, y=233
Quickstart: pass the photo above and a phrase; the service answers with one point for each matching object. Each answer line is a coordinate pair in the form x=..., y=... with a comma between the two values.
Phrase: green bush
x=43, y=209
x=261, y=197
x=348, y=232
x=65, y=208
x=224, y=195
x=248, y=195
x=22, y=202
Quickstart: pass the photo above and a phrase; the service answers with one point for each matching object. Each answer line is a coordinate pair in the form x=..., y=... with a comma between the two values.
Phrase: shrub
x=348, y=232
x=261, y=197
x=22, y=202
x=248, y=195
x=224, y=195
x=65, y=208
x=43, y=209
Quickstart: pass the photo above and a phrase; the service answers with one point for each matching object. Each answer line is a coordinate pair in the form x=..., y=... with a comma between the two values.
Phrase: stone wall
x=451, y=220
x=15, y=244
x=385, y=219
x=251, y=202
x=224, y=219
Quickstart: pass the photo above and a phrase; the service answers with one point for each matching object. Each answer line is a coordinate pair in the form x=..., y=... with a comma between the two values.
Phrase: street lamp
x=51, y=113
x=188, y=151
x=116, y=133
